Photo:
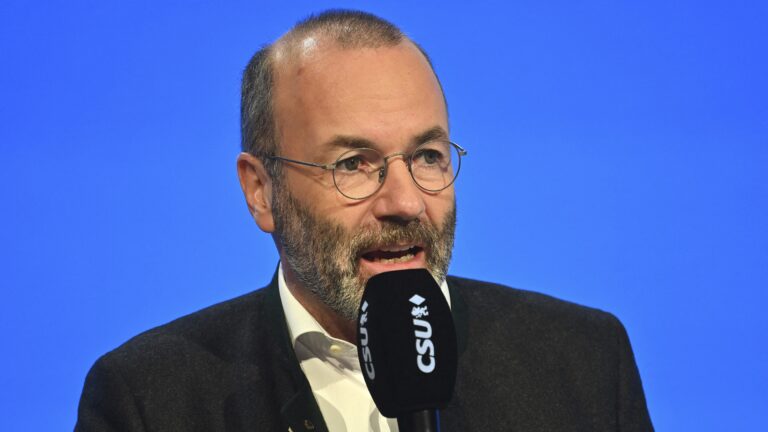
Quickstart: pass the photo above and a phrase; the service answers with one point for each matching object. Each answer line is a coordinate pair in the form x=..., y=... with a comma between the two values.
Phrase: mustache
x=415, y=232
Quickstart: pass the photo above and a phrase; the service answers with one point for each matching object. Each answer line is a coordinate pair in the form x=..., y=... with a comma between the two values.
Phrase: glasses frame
x=407, y=157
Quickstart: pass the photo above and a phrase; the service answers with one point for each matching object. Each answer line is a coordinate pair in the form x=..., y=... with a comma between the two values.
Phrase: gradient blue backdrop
x=617, y=158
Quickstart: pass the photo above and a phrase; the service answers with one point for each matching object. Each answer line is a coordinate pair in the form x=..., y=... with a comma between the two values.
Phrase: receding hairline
x=339, y=29
x=293, y=46
x=347, y=28
x=293, y=53
x=333, y=29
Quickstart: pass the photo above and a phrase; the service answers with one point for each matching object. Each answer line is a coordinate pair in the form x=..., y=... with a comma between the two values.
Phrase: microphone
x=406, y=344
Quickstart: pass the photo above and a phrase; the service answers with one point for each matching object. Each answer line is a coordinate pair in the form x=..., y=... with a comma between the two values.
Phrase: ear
x=257, y=188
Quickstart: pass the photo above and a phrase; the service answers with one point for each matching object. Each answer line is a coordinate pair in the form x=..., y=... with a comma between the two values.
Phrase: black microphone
x=406, y=343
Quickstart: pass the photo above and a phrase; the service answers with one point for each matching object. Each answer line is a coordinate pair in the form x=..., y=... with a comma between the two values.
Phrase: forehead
x=387, y=95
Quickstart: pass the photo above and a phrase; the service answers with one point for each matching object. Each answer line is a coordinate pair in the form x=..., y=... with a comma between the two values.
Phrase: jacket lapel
x=452, y=416
x=294, y=395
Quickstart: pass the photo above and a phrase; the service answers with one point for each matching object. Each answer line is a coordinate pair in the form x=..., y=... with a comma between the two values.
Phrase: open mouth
x=392, y=255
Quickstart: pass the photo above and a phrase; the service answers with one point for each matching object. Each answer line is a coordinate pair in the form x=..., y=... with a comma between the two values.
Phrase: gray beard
x=323, y=255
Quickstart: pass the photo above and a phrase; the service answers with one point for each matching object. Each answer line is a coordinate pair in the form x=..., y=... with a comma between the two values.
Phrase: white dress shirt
x=333, y=371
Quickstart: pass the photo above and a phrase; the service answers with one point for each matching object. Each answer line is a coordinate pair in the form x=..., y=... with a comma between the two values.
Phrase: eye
x=428, y=157
x=351, y=163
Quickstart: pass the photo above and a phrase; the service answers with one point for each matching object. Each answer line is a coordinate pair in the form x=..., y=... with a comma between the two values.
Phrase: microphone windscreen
x=406, y=342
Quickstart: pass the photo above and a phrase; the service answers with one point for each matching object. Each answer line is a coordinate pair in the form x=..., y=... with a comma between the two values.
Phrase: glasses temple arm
x=310, y=164
x=462, y=151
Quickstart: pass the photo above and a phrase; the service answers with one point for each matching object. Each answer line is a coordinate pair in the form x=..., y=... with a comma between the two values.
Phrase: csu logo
x=367, y=359
x=425, y=359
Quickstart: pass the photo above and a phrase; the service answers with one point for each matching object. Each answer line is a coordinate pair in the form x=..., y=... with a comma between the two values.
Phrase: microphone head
x=406, y=342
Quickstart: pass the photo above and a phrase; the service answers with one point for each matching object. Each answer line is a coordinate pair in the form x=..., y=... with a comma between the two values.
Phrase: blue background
x=617, y=158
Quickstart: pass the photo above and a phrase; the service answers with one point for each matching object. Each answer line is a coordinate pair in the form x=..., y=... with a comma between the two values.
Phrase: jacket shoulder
x=501, y=308
x=183, y=374
x=221, y=333
x=211, y=329
x=573, y=364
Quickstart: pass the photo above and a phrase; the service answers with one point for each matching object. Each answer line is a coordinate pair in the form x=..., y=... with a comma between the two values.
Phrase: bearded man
x=347, y=162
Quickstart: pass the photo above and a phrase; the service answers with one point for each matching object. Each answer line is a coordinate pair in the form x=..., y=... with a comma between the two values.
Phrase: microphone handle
x=419, y=421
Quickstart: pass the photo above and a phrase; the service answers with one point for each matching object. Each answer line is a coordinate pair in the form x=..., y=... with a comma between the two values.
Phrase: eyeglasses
x=359, y=173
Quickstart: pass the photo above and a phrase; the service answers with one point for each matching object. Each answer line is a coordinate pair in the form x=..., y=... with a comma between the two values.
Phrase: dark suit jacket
x=528, y=362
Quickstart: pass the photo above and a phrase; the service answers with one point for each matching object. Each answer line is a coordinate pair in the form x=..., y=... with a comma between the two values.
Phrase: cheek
x=347, y=213
x=351, y=216
x=438, y=206
x=313, y=190
x=311, y=184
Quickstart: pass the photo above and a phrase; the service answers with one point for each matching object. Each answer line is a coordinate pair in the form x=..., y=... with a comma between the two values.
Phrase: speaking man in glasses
x=347, y=161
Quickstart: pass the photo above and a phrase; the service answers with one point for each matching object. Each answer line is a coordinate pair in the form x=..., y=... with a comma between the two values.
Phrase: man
x=347, y=163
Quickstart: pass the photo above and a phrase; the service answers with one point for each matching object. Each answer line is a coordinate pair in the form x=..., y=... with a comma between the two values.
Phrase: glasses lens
x=357, y=173
x=435, y=165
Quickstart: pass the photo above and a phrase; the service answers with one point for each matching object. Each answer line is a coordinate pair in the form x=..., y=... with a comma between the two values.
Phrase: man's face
x=326, y=101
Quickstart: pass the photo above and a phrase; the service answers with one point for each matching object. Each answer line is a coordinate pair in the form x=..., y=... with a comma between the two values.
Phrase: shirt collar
x=300, y=321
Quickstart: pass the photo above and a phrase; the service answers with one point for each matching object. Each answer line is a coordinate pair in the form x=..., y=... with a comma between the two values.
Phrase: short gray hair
x=347, y=28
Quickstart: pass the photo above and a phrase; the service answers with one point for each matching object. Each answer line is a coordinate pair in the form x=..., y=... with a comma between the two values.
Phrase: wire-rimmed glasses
x=359, y=173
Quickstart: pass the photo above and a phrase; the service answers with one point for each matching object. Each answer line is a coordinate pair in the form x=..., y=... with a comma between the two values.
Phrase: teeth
x=404, y=258
x=398, y=248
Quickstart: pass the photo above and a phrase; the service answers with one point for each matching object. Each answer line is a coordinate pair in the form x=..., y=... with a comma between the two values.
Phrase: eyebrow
x=435, y=133
x=353, y=142
x=350, y=142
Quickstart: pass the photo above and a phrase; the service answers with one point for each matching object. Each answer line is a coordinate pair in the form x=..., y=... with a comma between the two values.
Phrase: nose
x=399, y=200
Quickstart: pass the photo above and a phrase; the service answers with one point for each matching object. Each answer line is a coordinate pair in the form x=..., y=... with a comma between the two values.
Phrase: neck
x=335, y=325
